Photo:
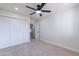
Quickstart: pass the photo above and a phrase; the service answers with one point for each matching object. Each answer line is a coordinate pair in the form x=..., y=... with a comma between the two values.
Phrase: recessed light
x=16, y=8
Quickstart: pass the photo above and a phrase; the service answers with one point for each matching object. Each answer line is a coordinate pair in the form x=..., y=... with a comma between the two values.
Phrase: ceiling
x=54, y=7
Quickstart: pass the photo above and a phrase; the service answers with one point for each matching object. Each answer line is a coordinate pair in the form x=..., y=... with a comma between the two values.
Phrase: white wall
x=14, y=29
x=32, y=21
x=37, y=30
x=62, y=29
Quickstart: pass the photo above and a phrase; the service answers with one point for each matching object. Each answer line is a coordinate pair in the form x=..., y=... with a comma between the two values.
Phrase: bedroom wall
x=62, y=29
x=37, y=30
x=14, y=29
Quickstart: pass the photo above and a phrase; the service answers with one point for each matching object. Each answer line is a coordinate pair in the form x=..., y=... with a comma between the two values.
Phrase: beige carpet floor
x=36, y=48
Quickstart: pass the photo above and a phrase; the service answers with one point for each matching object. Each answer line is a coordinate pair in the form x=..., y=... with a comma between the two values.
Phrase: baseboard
x=15, y=44
x=62, y=46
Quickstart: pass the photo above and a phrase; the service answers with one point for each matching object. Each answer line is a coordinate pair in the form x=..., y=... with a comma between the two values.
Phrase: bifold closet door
x=19, y=31
x=4, y=32
x=13, y=31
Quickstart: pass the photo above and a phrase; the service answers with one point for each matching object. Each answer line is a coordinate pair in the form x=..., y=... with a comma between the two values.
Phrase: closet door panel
x=13, y=31
x=19, y=31
x=4, y=32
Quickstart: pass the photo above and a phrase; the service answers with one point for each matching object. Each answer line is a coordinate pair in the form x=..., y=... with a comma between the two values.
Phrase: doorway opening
x=32, y=32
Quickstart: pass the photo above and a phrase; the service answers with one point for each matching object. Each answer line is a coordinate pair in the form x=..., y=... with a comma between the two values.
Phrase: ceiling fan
x=39, y=10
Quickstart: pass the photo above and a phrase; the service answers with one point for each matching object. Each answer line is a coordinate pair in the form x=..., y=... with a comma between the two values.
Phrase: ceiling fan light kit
x=38, y=12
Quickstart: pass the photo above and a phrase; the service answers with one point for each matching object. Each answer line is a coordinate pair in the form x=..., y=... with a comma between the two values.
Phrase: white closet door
x=13, y=31
x=4, y=32
x=19, y=31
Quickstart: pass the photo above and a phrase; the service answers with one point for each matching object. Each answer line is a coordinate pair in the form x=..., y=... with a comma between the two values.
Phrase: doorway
x=32, y=32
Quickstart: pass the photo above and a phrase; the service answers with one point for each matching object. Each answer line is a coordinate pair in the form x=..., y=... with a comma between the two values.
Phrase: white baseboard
x=62, y=46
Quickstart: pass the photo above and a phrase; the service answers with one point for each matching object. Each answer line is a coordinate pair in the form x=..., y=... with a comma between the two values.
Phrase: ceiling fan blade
x=45, y=10
x=41, y=6
x=32, y=13
x=40, y=14
x=31, y=8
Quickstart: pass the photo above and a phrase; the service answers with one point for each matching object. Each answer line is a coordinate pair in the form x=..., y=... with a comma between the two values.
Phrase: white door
x=4, y=32
x=13, y=31
x=19, y=32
